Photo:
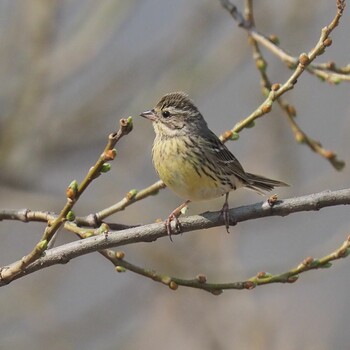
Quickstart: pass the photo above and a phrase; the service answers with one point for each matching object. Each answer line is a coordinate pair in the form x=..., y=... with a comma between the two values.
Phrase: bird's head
x=174, y=115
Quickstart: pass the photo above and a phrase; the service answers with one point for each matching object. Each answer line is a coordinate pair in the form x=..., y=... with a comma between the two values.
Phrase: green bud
x=72, y=190
x=234, y=136
x=335, y=80
x=74, y=185
x=105, y=168
x=70, y=216
x=261, y=64
x=250, y=125
x=130, y=124
x=131, y=194
x=120, y=268
x=326, y=265
x=104, y=228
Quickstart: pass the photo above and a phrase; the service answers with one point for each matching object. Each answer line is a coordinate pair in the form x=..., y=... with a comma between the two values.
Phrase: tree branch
x=305, y=62
x=262, y=278
x=152, y=232
x=325, y=71
x=74, y=191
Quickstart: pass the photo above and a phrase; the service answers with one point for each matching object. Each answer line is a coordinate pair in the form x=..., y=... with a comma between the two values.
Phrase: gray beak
x=149, y=115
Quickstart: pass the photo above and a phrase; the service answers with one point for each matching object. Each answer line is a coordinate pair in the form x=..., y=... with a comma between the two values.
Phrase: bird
x=192, y=161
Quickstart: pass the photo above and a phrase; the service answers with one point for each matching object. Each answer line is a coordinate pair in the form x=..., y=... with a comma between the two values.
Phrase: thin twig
x=304, y=62
x=94, y=220
x=262, y=278
x=326, y=71
x=74, y=191
x=289, y=111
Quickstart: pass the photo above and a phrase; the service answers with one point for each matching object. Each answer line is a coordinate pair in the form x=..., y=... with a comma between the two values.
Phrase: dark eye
x=166, y=114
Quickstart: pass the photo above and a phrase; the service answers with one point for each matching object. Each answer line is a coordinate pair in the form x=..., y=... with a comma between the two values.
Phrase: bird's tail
x=262, y=184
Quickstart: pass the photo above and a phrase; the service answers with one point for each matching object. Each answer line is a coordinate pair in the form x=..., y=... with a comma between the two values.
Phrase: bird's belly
x=188, y=178
x=189, y=185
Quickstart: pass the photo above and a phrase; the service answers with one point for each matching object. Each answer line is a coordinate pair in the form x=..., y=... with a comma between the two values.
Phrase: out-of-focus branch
x=152, y=232
x=73, y=193
x=305, y=62
x=326, y=71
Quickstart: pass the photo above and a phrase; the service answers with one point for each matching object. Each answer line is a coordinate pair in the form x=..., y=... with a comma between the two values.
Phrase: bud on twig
x=72, y=190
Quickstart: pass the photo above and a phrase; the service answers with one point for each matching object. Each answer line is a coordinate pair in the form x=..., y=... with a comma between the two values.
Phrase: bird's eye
x=166, y=114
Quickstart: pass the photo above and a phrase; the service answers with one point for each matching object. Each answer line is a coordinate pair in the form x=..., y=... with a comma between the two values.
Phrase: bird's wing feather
x=226, y=162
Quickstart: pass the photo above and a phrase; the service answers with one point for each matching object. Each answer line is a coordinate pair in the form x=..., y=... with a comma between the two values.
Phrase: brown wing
x=221, y=157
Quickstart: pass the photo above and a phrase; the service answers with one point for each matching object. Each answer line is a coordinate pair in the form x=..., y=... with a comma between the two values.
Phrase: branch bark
x=151, y=232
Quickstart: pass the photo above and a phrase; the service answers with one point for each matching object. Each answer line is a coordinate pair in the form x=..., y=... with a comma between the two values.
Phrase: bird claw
x=225, y=214
x=172, y=217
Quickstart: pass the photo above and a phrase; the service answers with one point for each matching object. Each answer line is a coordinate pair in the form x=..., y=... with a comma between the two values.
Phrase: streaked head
x=175, y=114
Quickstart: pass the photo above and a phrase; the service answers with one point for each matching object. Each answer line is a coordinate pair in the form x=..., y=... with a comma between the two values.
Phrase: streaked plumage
x=191, y=159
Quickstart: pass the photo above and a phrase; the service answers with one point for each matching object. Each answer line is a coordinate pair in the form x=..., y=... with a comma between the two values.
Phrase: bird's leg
x=225, y=213
x=174, y=216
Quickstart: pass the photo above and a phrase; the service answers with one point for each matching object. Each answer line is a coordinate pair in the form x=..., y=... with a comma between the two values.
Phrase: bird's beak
x=149, y=115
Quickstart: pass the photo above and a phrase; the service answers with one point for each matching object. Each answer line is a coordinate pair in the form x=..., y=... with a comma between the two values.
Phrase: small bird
x=192, y=161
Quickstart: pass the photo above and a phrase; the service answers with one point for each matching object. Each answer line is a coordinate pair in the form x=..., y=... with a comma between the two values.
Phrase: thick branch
x=152, y=232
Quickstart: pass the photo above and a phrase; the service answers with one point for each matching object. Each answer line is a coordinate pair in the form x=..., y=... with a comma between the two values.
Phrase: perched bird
x=192, y=161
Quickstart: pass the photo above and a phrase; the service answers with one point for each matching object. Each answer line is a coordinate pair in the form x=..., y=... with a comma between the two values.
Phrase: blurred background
x=69, y=70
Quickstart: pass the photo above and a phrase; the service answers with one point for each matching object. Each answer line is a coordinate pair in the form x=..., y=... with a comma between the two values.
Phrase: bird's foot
x=225, y=214
x=174, y=216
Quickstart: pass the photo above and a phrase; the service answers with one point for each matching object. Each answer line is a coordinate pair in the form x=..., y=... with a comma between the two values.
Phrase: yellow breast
x=184, y=172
